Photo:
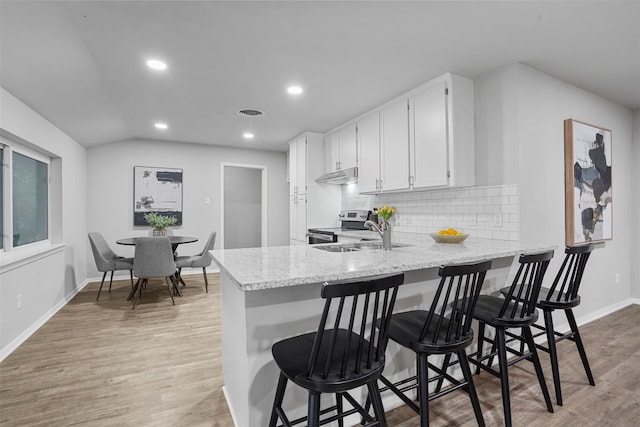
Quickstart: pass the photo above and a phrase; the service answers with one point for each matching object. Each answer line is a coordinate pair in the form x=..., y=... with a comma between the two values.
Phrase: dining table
x=175, y=242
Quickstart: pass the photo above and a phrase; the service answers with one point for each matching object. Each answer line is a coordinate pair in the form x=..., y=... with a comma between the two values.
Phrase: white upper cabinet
x=341, y=149
x=394, y=143
x=428, y=137
x=298, y=166
x=369, y=145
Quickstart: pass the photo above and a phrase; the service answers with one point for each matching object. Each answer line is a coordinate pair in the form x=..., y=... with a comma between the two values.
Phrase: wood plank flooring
x=102, y=364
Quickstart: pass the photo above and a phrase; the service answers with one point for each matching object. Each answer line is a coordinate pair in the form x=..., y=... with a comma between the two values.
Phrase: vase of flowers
x=159, y=222
x=384, y=214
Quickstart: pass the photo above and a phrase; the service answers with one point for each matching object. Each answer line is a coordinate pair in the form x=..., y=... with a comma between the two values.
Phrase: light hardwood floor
x=102, y=364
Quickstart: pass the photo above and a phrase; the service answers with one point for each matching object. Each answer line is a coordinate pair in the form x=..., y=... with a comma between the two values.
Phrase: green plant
x=386, y=212
x=159, y=221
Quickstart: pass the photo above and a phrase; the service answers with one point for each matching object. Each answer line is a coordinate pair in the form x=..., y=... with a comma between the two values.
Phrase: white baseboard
x=233, y=414
x=17, y=341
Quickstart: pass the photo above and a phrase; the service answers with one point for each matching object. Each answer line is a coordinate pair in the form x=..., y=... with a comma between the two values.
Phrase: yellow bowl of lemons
x=449, y=235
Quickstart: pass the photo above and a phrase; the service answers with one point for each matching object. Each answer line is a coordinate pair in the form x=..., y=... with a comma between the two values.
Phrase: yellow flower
x=386, y=212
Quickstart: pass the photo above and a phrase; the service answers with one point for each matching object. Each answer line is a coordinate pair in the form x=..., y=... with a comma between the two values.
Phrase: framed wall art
x=156, y=189
x=588, y=184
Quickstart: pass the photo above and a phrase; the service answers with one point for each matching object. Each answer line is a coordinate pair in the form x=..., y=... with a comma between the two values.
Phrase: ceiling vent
x=250, y=113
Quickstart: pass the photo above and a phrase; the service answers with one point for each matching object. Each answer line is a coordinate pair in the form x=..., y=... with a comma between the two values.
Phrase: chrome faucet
x=384, y=233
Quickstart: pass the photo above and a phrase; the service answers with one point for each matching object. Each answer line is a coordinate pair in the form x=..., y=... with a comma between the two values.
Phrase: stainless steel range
x=349, y=219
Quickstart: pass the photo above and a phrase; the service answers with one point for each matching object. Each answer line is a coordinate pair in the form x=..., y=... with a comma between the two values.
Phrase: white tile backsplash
x=489, y=212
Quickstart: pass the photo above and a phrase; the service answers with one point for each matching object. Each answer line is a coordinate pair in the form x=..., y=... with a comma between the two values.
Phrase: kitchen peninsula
x=272, y=293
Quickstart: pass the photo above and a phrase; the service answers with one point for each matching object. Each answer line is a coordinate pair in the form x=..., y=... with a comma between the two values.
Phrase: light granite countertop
x=280, y=266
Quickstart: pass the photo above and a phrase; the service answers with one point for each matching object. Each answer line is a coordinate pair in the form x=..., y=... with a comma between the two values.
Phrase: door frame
x=263, y=201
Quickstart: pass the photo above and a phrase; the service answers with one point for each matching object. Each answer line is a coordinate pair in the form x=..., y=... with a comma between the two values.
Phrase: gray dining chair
x=153, y=258
x=202, y=260
x=107, y=260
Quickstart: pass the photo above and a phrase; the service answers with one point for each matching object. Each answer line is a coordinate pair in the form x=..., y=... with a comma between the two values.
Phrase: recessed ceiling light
x=248, y=135
x=156, y=64
x=294, y=90
x=162, y=126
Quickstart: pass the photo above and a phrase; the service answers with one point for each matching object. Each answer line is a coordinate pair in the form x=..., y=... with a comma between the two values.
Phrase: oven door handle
x=324, y=237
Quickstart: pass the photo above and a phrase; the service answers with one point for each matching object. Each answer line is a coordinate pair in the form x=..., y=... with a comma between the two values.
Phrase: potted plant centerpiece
x=159, y=222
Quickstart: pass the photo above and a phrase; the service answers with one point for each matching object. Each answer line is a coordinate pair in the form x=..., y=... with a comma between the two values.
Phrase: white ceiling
x=81, y=64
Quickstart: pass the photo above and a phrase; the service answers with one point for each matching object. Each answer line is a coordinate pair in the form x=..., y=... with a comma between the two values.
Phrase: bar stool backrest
x=567, y=282
x=459, y=288
x=349, y=346
x=520, y=301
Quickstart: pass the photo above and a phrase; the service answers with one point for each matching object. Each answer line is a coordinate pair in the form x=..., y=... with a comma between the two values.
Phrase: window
x=24, y=196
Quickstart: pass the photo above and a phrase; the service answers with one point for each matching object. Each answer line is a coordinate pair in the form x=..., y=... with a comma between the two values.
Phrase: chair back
x=340, y=352
x=102, y=253
x=567, y=282
x=459, y=288
x=153, y=258
x=521, y=299
x=211, y=241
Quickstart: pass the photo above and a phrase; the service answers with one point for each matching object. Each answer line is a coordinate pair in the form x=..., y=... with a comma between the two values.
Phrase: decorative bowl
x=446, y=238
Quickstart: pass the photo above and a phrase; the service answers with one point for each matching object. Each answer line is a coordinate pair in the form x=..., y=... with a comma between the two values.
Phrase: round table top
x=174, y=240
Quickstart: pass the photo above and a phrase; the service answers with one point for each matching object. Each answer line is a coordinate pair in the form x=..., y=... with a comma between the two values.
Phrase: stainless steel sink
x=356, y=246
x=337, y=248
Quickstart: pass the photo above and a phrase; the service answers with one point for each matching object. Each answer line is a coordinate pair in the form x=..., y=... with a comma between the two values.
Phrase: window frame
x=9, y=147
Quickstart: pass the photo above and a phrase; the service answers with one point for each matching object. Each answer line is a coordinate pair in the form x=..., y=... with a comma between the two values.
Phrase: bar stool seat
x=563, y=295
x=444, y=329
x=346, y=351
x=517, y=310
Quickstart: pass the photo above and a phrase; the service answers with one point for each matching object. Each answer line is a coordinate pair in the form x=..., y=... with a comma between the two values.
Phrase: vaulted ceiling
x=82, y=66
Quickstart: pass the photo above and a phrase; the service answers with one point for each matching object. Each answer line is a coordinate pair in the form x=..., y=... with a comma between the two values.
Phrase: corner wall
x=520, y=113
x=110, y=190
x=635, y=213
x=47, y=282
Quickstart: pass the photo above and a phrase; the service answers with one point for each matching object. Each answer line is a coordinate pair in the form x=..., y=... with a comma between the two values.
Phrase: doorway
x=244, y=206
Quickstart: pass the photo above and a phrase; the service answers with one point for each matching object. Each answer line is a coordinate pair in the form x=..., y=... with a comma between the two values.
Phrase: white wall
x=110, y=189
x=520, y=140
x=635, y=215
x=46, y=283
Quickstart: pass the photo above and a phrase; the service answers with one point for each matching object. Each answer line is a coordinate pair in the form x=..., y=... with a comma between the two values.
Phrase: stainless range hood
x=345, y=176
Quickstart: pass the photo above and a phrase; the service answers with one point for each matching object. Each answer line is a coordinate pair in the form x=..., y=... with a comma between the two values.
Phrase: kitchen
x=518, y=132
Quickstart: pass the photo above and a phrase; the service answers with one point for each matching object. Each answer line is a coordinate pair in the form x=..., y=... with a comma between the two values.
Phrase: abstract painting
x=588, y=186
x=157, y=190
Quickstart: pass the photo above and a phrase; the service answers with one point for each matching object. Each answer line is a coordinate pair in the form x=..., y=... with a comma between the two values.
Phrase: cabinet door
x=301, y=218
x=293, y=215
x=428, y=133
x=293, y=170
x=301, y=164
x=394, y=128
x=332, y=152
x=369, y=165
x=348, y=147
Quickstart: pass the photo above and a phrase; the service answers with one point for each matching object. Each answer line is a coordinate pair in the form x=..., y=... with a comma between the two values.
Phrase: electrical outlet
x=207, y=200
x=473, y=220
x=19, y=301
x=497, y=220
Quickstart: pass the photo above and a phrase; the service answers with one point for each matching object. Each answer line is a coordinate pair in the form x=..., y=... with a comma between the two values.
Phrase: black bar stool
x=345, y=356
x=563, y=295
x=444, y=329
x=517, y=310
